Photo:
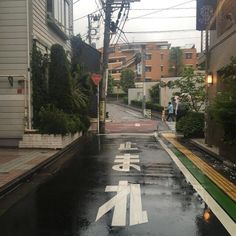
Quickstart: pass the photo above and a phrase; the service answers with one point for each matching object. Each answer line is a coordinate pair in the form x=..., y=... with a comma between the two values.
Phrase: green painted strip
x=223, y=199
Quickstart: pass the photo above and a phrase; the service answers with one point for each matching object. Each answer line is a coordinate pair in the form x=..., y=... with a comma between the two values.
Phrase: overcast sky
x=162, y=20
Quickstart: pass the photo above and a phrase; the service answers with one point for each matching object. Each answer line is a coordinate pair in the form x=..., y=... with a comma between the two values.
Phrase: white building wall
x=13, y=62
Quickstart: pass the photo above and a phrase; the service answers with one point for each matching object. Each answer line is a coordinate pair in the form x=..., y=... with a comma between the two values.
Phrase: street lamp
x=209, y=79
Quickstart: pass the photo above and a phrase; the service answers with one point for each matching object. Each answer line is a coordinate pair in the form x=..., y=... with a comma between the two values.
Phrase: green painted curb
x=221, y=198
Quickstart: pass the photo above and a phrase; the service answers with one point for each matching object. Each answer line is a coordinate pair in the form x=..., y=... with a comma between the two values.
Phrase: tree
x=59, y=83
x=192, y=90
x=110, y=84
x=127, y=79
x=224, y=106
x=155, y=93
x=175, y=61
x=39, y=65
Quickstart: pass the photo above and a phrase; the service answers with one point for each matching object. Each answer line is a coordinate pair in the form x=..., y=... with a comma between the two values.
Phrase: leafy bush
x=191, y=125
x=149, y=105
x=223, y=108
x=154, y=106
x=60, y=83
x=125, y=100
x=55, y=121
x=155, y=93
x=136, y=103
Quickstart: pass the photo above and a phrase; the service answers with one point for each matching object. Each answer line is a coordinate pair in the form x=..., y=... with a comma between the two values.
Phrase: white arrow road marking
x=120, y=199
x=119, y=202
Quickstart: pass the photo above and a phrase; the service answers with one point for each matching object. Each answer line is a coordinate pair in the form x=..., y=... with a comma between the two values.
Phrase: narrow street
x=124, y=184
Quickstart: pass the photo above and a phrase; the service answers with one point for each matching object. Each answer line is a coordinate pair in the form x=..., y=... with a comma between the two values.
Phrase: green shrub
x=191, y=125
x=125, y=100
x=55, y=121
x=149, y=105
x=136, y=103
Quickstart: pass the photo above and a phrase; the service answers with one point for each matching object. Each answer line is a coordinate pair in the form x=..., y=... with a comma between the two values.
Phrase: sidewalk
x=220, y=188
x=17, y=164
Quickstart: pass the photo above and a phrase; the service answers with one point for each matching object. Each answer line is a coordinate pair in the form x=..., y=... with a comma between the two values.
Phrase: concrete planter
x=47, y=141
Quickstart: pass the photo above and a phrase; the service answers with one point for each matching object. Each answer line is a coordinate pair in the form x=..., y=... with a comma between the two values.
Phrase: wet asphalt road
x=68, y=203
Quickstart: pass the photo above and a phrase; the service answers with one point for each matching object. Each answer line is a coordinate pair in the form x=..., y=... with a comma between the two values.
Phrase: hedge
x=191, y=125
x=149, y=105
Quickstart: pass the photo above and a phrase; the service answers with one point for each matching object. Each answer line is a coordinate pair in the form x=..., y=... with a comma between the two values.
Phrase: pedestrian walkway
x=16, y=164
x=171, y=125
x=220, y=188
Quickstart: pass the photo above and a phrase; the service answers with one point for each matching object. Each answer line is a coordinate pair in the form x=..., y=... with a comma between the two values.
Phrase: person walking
x=170, y=109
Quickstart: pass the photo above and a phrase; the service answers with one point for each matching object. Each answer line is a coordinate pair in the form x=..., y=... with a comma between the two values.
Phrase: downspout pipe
x=28, y=69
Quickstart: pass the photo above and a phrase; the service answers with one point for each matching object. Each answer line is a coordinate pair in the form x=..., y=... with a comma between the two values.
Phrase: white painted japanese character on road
x=126, y=161
x=127, y=147
x=119, y=202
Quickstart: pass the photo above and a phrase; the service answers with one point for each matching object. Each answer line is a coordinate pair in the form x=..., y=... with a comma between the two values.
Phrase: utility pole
x=108, y=12
x=109, y=6
x=143, y=53
x=89, y=30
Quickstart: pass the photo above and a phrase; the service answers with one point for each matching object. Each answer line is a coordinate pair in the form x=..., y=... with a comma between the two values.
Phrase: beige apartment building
x=23, y=22
x=222, y=47
x=155, y=63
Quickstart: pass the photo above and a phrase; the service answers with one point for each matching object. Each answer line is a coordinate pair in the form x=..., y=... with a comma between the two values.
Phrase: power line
x=160, y=31
x=87, y=15
x=76, y=1
x=165, y=17
x=162, y=10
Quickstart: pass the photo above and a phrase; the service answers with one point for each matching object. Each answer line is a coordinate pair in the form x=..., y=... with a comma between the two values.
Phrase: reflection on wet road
x=109, y=193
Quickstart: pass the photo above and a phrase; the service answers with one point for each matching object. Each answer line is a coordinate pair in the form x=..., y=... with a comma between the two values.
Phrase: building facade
x=153, y=66
x=222, y=47
x=23, y=22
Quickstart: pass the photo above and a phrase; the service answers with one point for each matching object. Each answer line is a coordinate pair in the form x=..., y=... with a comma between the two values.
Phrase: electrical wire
x=162, y=10
x=166, y=17
x=76, y=1
x=160, y=31
x=87, y=15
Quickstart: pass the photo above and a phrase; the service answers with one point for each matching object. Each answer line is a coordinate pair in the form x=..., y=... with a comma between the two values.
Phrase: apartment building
x=222, y=47
x=155, y=64
x=45, y=22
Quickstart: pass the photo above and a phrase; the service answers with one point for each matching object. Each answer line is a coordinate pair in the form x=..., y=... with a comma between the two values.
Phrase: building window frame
x=148, y=56
x=58, y=17
x=188, y=55
x=148, y=68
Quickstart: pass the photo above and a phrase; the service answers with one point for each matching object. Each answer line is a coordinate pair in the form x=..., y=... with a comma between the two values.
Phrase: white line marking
x=119, y=202
x=120, y=197
x=137, y=215
x=224, y=218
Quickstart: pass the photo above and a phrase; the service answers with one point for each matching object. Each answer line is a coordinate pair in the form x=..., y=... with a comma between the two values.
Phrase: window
x=58, y=10
x=188, y=55
x=148, y=68
x=162, y=68
x=148, y=56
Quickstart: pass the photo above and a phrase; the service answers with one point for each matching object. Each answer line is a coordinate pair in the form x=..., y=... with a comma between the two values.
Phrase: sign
x=124, y=190
x=96, y=79
x=125, y=162
x=205, y=14
x=102, y=111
